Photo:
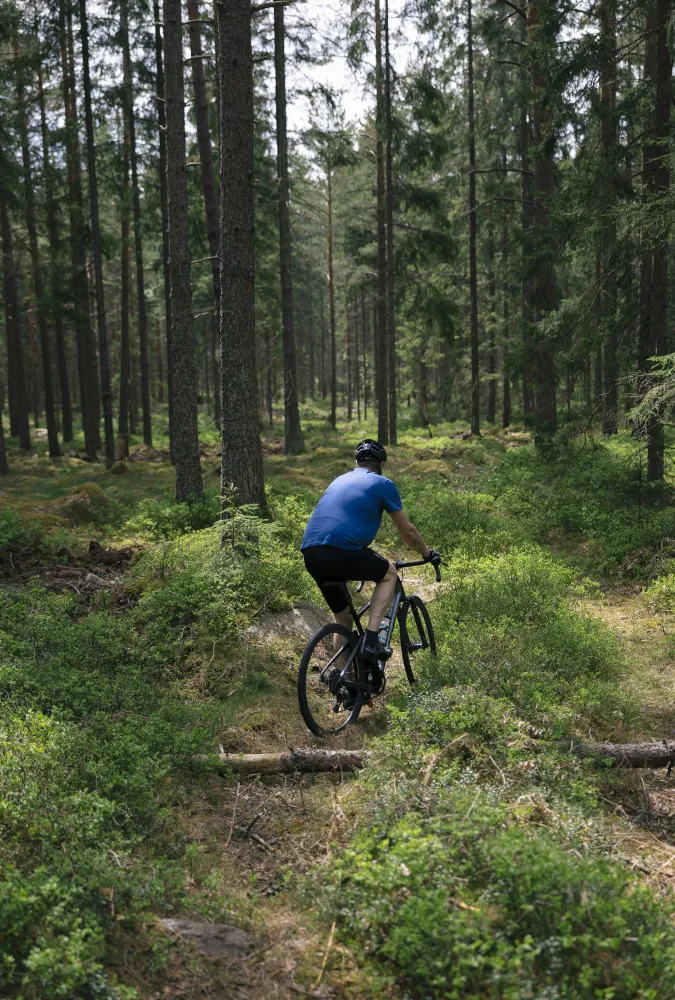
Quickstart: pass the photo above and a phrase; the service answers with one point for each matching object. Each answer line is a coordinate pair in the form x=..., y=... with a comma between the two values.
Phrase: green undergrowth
x=458, y=893
x=94, y=724
x=480, y=864
x=593, y=494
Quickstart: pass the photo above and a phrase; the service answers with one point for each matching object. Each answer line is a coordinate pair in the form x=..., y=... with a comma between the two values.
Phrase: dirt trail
x=248, y=836
x=647, y=640
x=641, y=803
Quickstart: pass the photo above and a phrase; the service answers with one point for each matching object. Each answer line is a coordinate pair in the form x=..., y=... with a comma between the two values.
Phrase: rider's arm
x=409, y=533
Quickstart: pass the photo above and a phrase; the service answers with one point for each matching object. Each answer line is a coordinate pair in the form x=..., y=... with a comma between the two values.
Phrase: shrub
x=18, y=533
x=506, y=626
x=167, y=519
x=594, y=491
x=467, y=905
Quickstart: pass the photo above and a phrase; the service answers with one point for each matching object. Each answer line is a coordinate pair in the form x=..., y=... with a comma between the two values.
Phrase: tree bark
x=128, y=86
x=86, y=360
x=38, y=279
x=164, y=199
x=311, y=761
x=506, y=330
x=16, y=372
x=382, y=360
x=526, y=226
x=209, y=188
x=185, y=445
x=391, y=303
x=104, y=359
x=54, y=270
x=293, y=440
x=123, y=427
x=242, y=462
x=543, y=283
x=629, y=754
x=607, y=15
x=473, y=230
x=657, y=170
x=348, y=360
x=491, y=413
x=331, y=304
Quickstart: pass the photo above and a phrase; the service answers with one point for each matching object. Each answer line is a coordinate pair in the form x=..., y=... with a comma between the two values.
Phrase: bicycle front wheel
x=416, y=632
x=326, y=704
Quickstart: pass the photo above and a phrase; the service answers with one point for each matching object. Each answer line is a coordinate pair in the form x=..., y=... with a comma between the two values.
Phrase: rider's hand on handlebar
x=434, y=557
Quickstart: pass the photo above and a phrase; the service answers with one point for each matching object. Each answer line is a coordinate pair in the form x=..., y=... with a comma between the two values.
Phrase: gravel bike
x=335, y=682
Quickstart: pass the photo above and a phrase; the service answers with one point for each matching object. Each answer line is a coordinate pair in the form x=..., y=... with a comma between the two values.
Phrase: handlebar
x=400, y=564
x=420, y=562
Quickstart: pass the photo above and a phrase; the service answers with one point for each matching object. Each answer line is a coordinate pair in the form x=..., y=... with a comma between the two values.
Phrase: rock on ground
x=213, y=940
x=300, y=622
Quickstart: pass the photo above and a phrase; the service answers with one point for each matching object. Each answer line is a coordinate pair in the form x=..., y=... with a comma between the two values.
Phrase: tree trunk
x=86, y=360
x=658, y=68
x=38, y=280
x=348, y=360
x=16, y=371
x=331, y=305
x=382, y=360
x=293, y=439
x=610, y=331
x=209, y=188
x=123, y=427
x=127, y=82
x=492, y=341
x=526, y=225
x=185, y=444
x=473, y=230
x=164, y=199
x=242, y=463
x=506, y=331
x=543, y=284
x=104, y=359
x=364, y=326
x=54, y=270
x=391, y=304
x=308, y=760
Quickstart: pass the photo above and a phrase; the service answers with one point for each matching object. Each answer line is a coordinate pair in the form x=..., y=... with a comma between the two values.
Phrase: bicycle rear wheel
x=326, y=704
x=416, y=632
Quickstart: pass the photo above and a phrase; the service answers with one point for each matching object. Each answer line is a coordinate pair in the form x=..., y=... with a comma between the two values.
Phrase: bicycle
x=335, y=682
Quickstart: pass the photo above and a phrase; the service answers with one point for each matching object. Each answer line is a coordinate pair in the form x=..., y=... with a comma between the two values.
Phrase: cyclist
x=336, y=542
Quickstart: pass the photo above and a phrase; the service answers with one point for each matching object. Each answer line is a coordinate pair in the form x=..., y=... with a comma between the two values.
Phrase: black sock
x=371, y=637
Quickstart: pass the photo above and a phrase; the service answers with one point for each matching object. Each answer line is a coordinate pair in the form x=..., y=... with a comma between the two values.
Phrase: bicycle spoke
x=325, y=699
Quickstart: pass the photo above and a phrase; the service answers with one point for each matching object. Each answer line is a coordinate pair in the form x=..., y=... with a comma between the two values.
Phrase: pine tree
x=185, y=435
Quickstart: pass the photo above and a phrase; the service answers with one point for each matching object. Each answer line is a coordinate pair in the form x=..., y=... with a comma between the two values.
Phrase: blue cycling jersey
x=349, y=513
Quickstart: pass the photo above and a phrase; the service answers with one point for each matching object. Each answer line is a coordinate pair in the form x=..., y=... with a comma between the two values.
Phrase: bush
x=18, y=533
x=594, y=491
x=466, y=905
x=167, y=519
x=506, y=627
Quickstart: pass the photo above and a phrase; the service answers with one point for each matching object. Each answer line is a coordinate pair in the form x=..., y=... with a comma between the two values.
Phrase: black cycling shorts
x=326, y=562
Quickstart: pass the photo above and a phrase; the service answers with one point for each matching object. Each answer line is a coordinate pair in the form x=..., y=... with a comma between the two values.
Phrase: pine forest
x=237, y=238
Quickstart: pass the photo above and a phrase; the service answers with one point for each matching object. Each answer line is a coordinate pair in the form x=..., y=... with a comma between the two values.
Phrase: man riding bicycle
x=336, y=542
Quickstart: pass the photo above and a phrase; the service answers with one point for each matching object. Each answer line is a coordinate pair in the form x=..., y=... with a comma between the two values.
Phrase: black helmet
x=370, y=451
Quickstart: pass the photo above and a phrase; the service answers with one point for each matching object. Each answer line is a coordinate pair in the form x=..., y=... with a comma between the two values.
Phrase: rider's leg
x=381, y=599
x=342, y=618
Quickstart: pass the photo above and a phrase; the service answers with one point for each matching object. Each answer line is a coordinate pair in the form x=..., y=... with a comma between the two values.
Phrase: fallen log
x=314, y=760
x=308, y=760
x=629, y=754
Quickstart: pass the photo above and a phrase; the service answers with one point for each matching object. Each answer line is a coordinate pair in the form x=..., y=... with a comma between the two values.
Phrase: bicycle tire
x=418, y=635
x=310, y=694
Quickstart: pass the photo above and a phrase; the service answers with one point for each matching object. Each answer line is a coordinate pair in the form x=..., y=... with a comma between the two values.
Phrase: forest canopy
x=484, y=234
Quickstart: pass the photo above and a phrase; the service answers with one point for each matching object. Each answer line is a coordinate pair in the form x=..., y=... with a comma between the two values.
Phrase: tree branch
x=504, y=170
x=514, y=7
x=271, y=3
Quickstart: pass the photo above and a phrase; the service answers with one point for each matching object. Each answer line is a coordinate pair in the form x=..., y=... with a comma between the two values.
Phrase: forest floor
x=251, y=851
